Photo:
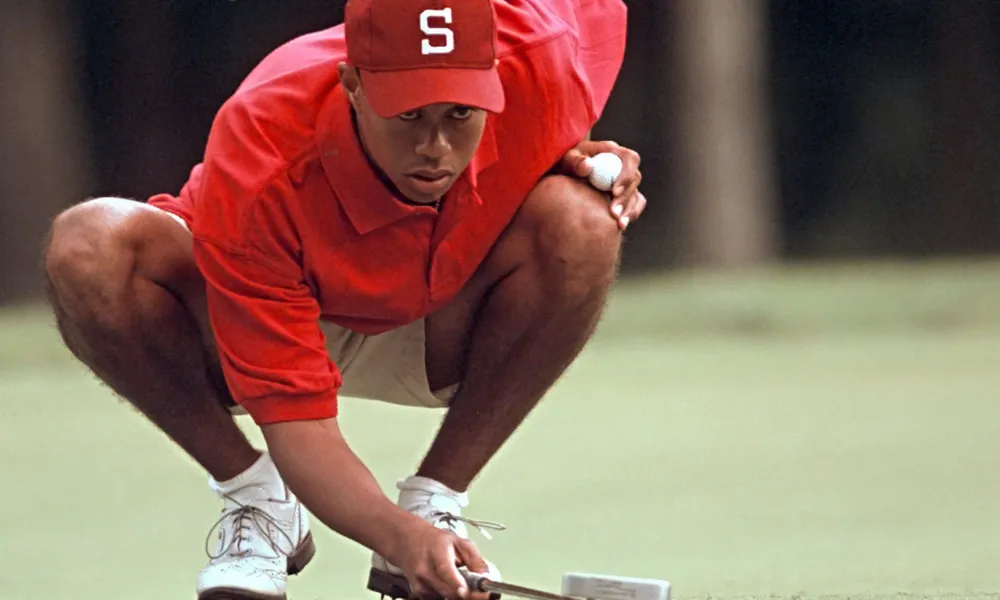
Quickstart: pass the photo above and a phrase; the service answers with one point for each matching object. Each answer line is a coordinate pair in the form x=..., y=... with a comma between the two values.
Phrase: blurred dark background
x=770, y=131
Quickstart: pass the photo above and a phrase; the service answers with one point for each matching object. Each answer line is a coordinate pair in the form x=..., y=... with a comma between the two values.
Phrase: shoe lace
x=245, y=518
x=438, y=516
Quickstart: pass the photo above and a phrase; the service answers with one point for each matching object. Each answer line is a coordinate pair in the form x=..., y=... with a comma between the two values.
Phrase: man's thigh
x=188, y=285
x=449, y=331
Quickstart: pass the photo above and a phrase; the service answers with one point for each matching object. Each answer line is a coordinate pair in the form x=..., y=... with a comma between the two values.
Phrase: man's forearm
x=332, y=482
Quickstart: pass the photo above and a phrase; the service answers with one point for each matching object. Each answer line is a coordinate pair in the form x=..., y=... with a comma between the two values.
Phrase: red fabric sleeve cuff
x=296, y=408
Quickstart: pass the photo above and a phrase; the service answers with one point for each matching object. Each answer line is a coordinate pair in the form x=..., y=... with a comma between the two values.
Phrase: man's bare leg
x=126, y=292
x=519, y=324
x=130, y=304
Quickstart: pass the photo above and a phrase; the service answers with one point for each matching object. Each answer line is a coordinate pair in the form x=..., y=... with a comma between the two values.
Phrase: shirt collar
x=367, y=201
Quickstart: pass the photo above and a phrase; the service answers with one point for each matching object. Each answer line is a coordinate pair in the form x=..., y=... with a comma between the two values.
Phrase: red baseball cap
x=412, y=53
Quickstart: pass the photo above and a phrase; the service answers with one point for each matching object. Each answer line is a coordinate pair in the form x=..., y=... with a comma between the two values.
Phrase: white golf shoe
x=440, y=506
x=262, y=537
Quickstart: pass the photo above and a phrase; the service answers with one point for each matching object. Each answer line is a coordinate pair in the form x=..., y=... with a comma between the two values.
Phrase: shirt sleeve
x=602, y=36
x=262, y=309
x=266, y=324
x=599, y=28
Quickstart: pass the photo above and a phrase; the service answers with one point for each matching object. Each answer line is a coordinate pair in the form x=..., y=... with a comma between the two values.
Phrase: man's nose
x=433, y=144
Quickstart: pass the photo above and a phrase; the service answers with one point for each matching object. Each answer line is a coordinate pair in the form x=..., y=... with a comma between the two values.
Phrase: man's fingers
x=423, y=591
x=471, y=560
x=640, y=205
x=626, y=186
x=617, y=208
x=628, y=195
x=630, y=171
x=438, y=576
x=592, y=147
x=626, y=202
x=633, y=209
x=578, y=163
x=468, y=555
x=635, y=206
x=448, y=581
x=624, y=192
x=435, y=583
x=629, y=207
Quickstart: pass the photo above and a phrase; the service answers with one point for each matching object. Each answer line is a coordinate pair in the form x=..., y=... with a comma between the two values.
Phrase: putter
x=577, y=586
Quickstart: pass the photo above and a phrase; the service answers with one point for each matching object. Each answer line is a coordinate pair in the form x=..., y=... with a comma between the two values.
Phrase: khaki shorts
x=389, y=367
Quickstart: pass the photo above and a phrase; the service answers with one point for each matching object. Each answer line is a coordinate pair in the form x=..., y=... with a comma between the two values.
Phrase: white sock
x=262, y=473
x=415, y=490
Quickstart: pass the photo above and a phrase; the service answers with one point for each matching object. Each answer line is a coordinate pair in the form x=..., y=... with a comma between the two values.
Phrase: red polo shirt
x=291, y=225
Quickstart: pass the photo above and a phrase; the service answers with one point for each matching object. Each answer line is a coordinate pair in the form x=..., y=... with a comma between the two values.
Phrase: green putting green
x=814, y=432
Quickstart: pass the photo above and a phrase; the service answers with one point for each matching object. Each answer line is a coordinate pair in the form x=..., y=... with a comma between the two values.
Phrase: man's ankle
x=417, y=490
x=440, y=477
x=260, y=471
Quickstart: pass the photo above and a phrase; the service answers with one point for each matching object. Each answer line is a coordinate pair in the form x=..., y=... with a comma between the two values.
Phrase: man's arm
x=266, y=323
x=331, y=481
x=342, y=493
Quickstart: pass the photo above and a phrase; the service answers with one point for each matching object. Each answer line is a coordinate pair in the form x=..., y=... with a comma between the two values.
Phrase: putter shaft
x=484, y=584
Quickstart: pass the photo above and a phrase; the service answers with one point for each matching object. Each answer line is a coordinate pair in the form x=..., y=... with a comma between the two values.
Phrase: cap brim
x=391, y=93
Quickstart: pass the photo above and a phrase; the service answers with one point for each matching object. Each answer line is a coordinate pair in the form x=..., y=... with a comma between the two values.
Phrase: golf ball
x=606, y=169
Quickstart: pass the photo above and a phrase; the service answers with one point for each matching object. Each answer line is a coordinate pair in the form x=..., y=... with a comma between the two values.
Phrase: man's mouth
x=430, y=182
x=429, y=174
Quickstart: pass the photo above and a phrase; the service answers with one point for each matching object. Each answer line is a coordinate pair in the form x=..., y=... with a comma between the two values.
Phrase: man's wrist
x=393, y=531
x=336, y=486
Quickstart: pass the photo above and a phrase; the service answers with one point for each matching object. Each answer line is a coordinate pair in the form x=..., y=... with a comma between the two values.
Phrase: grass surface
x=798, y=432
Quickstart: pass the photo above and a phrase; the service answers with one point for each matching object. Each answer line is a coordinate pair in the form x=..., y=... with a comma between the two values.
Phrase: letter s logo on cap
x=426, y=47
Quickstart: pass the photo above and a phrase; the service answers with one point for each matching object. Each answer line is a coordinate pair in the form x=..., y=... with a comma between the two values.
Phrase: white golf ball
x=607, y=168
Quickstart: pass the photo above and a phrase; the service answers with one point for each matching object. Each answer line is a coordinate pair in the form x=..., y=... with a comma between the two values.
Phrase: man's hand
x=627, y=202
x=332, y=482
x=430, y=558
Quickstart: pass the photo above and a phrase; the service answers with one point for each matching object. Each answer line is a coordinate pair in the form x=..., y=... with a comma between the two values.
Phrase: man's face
x=422, y=152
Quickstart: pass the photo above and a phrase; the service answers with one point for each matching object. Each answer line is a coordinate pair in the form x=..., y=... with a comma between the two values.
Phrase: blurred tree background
x=770, y=130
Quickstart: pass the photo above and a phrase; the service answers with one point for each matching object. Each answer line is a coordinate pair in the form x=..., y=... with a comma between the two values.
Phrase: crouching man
x=395, y=208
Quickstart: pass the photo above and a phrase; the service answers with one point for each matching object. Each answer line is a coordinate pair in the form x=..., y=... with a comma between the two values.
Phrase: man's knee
x=573, y=233
x=83, y=247
x=89, y=260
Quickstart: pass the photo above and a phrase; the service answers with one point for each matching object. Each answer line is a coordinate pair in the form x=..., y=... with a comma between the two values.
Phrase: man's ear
x=351, y=81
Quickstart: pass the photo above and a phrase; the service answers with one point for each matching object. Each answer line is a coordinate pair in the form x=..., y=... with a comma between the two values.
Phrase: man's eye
x=462, y=112
x=413, y=115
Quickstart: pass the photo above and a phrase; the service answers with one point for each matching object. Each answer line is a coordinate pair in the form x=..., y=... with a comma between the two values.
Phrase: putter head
x=610, y=587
